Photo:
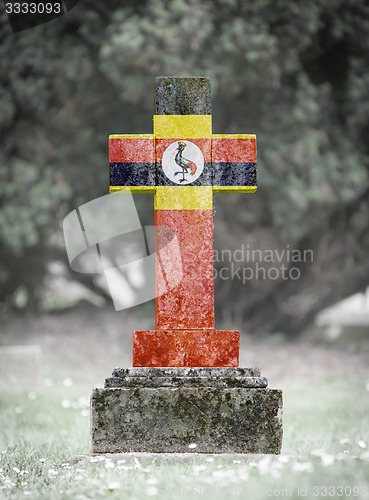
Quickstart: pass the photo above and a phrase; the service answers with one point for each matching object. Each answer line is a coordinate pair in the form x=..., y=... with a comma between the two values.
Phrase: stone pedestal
x=165, y=410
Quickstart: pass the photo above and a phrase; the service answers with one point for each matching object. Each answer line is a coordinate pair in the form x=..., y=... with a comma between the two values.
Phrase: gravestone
x=185, y=391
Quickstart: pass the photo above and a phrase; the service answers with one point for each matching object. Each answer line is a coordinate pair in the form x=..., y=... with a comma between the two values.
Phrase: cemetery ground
x=43, y=426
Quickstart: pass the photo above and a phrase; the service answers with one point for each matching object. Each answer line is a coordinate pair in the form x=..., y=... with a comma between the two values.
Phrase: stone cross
x=185, y=391
x=183, y=164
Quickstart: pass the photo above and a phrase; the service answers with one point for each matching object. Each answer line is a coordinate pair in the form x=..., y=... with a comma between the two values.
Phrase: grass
x=325, y=451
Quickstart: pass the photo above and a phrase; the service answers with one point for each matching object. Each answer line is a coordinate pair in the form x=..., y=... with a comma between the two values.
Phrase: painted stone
x=182, y=162
x=191, y=303
x=185, y=348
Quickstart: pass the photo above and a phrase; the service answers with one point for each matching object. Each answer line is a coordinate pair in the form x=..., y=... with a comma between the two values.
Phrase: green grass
x=323, y=425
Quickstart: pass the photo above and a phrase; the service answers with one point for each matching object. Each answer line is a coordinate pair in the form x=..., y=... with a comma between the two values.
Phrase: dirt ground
x=86, y=343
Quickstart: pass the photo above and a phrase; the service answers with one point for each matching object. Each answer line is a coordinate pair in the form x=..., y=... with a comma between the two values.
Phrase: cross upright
x=183, y=163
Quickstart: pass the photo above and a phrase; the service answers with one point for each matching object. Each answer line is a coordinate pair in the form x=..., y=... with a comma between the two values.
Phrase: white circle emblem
x=183, y=162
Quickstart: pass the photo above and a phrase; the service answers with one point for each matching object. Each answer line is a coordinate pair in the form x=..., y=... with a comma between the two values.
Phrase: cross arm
x=234, y=163
x=132, y=162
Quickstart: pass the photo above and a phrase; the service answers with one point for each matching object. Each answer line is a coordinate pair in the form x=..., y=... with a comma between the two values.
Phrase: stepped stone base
x=166, y=410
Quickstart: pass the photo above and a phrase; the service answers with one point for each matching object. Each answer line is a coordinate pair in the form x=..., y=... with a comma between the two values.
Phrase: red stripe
x=132, y=150
x=234, y=150
x=203, y=144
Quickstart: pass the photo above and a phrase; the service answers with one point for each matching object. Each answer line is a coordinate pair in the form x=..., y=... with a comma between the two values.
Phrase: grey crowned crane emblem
x=186, y=165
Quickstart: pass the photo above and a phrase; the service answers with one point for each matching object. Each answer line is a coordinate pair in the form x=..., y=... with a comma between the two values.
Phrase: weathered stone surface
x=186, y=377
x=254, y=382
x=172, y=371
x=217, y=420
x=182, y=96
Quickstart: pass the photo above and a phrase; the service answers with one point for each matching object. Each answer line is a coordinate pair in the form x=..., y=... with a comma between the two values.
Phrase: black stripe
x=234, y=174
x=149, y=174
x=203, y=180
x=132, y=174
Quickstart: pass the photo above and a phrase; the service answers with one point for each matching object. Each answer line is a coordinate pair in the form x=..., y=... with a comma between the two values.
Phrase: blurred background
x=294, y=73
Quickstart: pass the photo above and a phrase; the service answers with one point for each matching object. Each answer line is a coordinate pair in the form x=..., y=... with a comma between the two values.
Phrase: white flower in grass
x=199, y=467
x=109, y=465
x=94, y=459
x=18, y=410
x=52, y=472
x=303, y=467
x=344, y=440
x=65, y=403
x=121, y=461
x=152, y=480
x=318, y=453
x=26, y=492
x=152, y=491
x=85, y=413
x=243, y=474
x=327, y=460
x=15, y=469
x=275, y=473
x=361, y=444
x=341, y=456
x=42, y=460
x=210, y=459
x=192, y=446
x=32, y=396
x=84, y=402
x=67, y=382
x=114, y=485
x=264, y=464
x=124, y=467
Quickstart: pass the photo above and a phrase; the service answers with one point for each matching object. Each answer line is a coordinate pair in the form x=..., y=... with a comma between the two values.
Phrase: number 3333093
x=33, y=8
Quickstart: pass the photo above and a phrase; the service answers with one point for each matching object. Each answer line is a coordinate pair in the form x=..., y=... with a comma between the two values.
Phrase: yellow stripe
x=182, y=126
x=131, y=136
x=133, y=189
x=233, y=136
x=232, y=189
x=184, y=198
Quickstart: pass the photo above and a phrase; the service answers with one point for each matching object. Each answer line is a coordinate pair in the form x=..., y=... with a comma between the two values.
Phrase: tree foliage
x=295, y=73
